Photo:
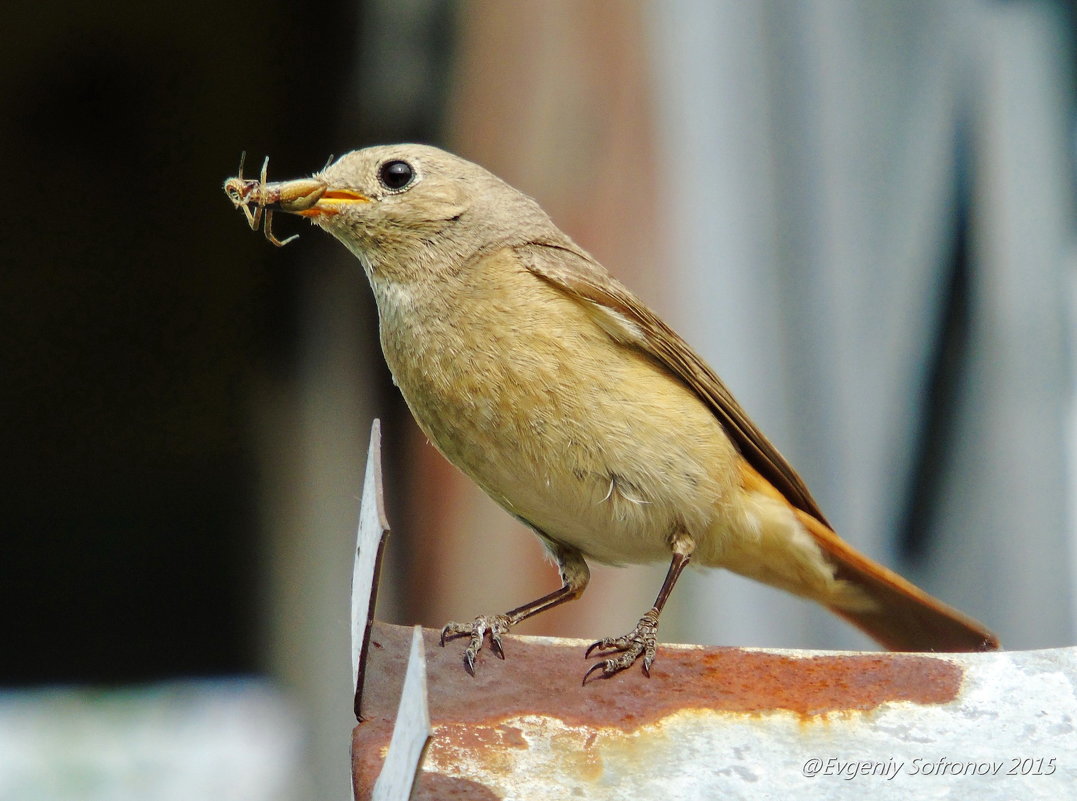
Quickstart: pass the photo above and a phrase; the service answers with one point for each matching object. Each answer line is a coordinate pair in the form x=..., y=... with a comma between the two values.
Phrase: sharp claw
x=608, y=644
x=451, y=630
x=603, y=666
x=640, y=642
x=494, y=625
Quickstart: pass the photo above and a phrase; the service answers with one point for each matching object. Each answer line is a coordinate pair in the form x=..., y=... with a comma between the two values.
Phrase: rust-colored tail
x=905, y=617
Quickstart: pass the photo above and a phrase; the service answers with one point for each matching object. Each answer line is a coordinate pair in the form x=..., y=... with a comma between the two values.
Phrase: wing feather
x=625, y=318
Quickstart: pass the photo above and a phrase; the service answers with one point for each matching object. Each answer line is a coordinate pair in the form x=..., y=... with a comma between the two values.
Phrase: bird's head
x=407, y=211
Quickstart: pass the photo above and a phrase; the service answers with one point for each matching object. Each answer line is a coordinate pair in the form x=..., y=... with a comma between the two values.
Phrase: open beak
x=332, y=201
x=309, y=197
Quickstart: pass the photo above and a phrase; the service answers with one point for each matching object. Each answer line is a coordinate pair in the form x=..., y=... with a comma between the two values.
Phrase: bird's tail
x=902, y=617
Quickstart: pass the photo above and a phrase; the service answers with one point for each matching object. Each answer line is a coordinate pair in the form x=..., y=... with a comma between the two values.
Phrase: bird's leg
x=574, y=577
x=642, y=639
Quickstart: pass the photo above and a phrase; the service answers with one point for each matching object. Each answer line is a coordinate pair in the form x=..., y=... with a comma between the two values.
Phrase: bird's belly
x=590, y=442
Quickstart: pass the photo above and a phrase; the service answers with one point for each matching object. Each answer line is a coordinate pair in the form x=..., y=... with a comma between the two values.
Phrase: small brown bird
x=575, y=407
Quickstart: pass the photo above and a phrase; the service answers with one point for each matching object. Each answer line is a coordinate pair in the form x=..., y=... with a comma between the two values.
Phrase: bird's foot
x=641, y=641
x=494, y=625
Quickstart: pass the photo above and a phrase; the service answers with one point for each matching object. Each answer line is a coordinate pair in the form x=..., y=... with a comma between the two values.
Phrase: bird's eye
x=396, y=174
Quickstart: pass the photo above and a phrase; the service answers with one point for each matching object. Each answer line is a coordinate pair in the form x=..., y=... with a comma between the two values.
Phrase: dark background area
x=140, y=314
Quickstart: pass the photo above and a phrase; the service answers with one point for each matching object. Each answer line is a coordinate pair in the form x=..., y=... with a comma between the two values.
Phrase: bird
x=576, y=408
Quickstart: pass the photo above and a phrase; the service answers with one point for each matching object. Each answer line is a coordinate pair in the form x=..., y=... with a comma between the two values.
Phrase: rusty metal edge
x=372, y=495
x=412, y=730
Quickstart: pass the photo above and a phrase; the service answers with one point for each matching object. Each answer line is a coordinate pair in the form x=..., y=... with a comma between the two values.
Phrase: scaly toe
x=641, y=641
x=453, y=630
x=495, y=625
x=603, y=666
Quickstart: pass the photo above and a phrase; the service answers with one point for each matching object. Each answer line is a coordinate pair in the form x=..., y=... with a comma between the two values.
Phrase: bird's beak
x=332, y=201
x=310, y=197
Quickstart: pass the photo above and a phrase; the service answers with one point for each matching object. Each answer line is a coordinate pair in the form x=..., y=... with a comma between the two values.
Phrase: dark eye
x=396, y=174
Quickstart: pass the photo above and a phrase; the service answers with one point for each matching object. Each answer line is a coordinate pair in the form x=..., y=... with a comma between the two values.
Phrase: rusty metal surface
x=728, y=722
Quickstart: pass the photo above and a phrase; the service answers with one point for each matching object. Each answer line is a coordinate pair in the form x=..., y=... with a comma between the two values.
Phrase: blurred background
x=860, y=213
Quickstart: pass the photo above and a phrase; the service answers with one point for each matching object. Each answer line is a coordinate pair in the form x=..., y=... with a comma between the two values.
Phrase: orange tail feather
x=905, y=617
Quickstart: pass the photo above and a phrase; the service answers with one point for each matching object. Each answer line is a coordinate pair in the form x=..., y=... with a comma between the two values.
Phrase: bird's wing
x=627, y=320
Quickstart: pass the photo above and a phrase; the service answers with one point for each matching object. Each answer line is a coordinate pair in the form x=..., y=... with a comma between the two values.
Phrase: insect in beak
x=304, y=196
x=290, y=196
